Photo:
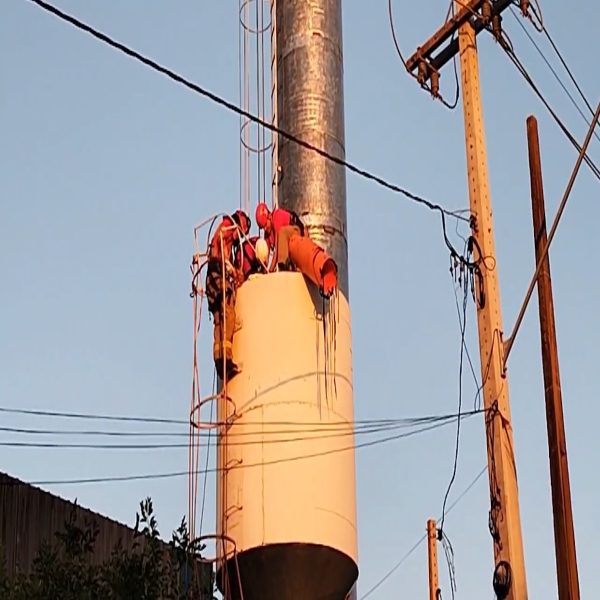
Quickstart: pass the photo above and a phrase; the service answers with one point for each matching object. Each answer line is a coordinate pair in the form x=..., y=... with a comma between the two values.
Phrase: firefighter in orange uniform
x=285, y=235
x=221, y=291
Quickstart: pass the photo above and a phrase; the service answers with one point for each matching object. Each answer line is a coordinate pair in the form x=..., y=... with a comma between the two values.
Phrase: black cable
x=463, y=328
x=174, y=474
x=567, y=69
x=232, y=107
x=505, y=45
x=74, y=415
x=556, y=75
x=478, y=386
x=164, y=446
x=360, y=429
x=318, y=426
x=449, y=554
x=214, y=385
x=150, y=446
x=454, y=66
x=450, y=106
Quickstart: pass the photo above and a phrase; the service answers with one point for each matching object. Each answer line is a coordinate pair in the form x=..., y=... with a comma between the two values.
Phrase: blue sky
x=106, y=168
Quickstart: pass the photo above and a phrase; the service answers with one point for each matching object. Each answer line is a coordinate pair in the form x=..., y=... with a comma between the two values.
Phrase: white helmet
x=262, y=250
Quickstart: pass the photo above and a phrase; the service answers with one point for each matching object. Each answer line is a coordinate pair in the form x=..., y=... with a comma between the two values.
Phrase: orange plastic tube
x=314, y=262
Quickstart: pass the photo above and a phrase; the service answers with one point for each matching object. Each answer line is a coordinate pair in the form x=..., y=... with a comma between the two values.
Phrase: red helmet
x=262, y=215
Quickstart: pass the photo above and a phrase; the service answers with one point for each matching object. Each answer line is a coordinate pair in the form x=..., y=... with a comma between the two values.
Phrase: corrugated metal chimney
x=310, y=105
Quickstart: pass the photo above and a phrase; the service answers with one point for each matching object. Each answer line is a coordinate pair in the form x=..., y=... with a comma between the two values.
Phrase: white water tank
x=286, y=485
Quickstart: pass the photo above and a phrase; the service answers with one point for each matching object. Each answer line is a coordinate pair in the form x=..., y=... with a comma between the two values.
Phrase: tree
x=150, y=570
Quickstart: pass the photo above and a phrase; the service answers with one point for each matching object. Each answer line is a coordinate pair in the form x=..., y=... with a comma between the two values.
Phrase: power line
x=348, y=428
x=566, y=66
x=407, y=555
x=174, y=474
x=258, y=434
x=506, y=45
x=316, y=425
x=98, y=417
x=234, y=108
x=556, y=75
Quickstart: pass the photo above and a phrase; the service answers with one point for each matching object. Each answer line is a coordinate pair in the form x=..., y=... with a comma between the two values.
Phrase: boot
x=232, y=369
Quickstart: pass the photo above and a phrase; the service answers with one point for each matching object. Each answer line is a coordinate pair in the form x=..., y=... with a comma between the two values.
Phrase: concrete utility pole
x=564, y=534
x=505, y=520
x=505, y=525
x=434, y=585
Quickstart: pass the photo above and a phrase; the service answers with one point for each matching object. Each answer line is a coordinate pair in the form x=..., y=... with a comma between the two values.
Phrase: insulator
x=497, y=27
x=422, y=71
x=435, y=83
x=486, y=12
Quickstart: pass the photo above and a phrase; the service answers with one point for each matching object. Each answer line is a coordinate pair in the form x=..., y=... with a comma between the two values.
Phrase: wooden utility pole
x=505, y=523
x=434, y=587
x=564, y=535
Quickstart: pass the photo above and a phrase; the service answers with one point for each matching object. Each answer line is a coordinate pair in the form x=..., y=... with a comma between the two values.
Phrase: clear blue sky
x=105, y=168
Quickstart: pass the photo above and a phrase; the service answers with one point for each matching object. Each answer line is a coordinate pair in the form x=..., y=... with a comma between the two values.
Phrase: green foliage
x=149, y=570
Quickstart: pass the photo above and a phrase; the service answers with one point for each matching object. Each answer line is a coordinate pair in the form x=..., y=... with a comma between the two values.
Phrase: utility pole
x=564, y=535
x=434, y=587
x=509, y=579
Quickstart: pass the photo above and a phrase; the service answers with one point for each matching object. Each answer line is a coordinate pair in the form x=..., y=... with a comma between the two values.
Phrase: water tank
x=286, y=485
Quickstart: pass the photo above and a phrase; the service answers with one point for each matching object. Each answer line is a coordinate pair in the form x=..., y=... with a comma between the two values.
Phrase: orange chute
x=314, y=262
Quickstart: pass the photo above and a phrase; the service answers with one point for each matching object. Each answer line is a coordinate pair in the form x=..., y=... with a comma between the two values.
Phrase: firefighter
x=280, y=226
x=284, y=233
x=220, y=292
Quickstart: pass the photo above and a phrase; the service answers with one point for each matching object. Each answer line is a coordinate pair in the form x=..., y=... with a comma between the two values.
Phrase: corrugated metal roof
x=29, y=515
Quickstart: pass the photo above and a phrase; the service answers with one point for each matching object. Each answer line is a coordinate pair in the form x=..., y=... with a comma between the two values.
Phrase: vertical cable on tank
x=245, y=141
x=254, y=170
x=241, y=101
x=210, y=418
x=333, y=319
x=262, y=93
x=223, y=400
x=194, y=428
x=258, y=128
x=325, y=351
x=273, y=108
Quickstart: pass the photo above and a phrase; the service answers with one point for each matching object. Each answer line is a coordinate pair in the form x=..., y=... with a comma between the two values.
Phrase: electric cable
x=567, y=69
x=463, y=328
x=232, y=107
x=555, y=74
x=506, y=46
x=478, y=386
x=413, y=548
x=450, y=106
x=135, y=419
x=162, y=446
x=174, y=474
x=325, y=428
x=97, y=417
